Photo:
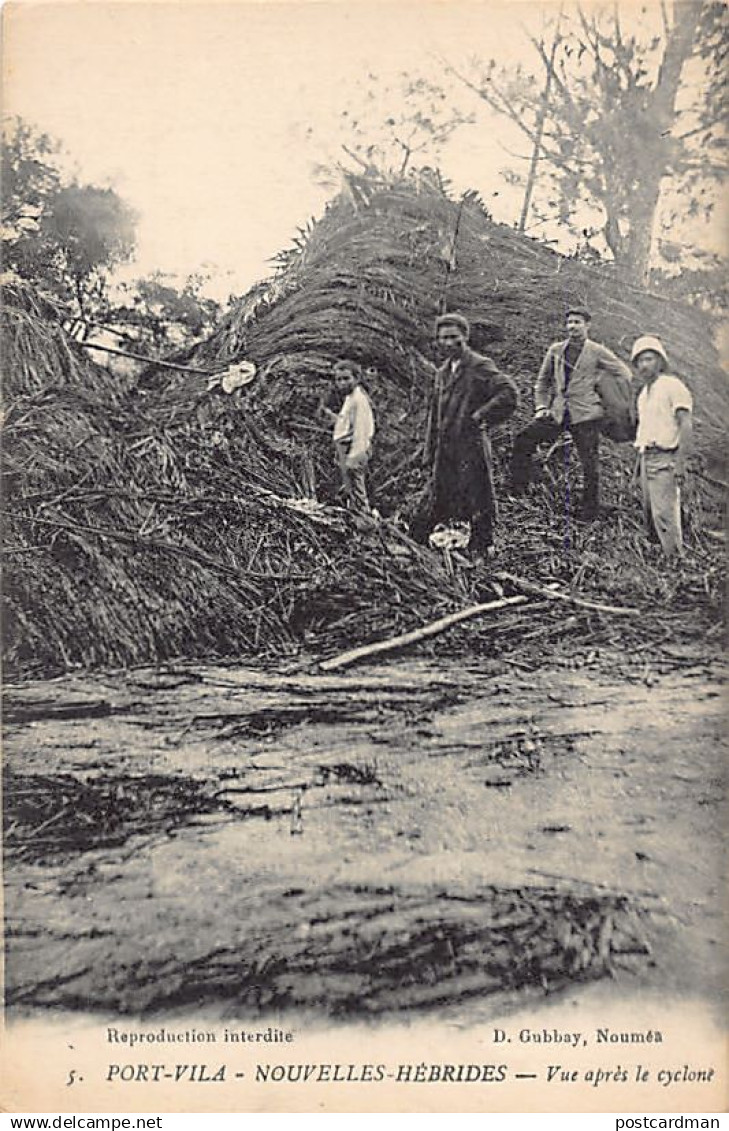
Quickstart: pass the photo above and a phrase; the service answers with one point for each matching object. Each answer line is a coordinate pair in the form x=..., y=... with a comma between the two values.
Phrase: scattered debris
x=364, y=949
x=171, y=520
x=49, y=818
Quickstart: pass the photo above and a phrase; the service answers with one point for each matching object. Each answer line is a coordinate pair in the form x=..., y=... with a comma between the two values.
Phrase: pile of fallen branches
x=126, y=543
x=367, y=281
x=177, y=520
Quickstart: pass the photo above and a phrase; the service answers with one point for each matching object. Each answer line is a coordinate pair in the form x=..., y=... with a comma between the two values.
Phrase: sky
x=197, y=113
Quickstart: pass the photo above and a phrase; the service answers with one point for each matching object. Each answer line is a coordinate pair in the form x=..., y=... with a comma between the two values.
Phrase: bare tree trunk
x=539, y=130
x=80, y=295
x=631, y=175
x=639, y=243
x=644, y=205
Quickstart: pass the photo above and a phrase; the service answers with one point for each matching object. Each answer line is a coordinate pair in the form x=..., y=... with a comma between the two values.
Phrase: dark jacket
x=457, y=448
x=478, y=396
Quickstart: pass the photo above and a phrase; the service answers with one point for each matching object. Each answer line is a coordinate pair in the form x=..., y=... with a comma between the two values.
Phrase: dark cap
x=453, y=320
x=582, y=311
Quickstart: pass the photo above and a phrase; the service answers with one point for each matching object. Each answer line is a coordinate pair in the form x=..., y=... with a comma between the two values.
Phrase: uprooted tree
x=626, y=127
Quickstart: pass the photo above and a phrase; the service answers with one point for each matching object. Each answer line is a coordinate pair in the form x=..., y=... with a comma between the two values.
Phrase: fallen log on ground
x=555, y=595
x=432, y=629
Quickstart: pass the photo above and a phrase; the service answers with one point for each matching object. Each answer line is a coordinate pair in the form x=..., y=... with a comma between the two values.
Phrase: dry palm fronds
x=163, y=521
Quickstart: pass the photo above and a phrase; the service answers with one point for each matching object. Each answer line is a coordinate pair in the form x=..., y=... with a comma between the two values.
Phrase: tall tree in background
x=30, y=177
x=91, y=231
x=60, y=234
x=386, y=127
x=625, y=122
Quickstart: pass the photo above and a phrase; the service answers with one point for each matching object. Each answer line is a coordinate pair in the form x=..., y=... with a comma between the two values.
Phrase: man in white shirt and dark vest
x=567, y=397
x=663, y=439
x=354, y=429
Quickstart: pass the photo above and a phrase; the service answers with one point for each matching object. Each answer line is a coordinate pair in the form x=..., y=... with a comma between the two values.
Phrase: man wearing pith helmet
x=663, y=439
x=567, y=397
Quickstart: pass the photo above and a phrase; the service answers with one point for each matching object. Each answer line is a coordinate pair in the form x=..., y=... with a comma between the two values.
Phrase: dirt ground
x=409, y=836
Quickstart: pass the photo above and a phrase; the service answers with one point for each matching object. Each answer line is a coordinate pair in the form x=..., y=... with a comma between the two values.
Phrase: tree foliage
x=162, y=314
x=630, y=121
x=63, y=235
x=90, y=231
x=387, y=127
x=30, y=177
x=68, y=237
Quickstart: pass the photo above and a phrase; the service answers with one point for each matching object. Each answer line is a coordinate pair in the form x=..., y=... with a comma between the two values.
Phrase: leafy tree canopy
x=163, y=314
x=63, y=235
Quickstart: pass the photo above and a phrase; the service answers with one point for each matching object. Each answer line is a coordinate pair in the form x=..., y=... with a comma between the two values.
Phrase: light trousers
x=353, y=479
x=662, y=499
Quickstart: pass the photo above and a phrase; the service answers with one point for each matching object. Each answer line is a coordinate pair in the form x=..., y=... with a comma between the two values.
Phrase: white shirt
x=355, y=422
x=657, y=407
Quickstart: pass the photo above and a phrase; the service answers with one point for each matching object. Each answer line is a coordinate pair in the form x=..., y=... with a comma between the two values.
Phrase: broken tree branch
x=433, y=629
x=542, y=591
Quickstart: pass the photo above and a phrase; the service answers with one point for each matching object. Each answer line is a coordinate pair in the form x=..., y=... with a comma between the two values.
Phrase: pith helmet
x=640, y=345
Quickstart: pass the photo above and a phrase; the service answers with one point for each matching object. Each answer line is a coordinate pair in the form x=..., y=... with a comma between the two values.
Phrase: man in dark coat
x=470, y=396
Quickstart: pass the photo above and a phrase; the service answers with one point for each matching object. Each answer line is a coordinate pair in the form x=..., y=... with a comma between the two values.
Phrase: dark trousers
x=462, y=488
x=545, y=429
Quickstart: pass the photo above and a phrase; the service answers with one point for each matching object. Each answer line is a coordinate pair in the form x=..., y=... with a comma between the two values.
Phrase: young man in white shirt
x=663, y=439
x=354, y=428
